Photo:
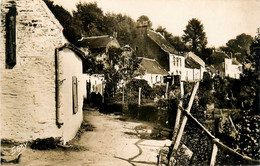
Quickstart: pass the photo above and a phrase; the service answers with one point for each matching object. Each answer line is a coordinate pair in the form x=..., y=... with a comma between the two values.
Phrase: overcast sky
x=222, y=19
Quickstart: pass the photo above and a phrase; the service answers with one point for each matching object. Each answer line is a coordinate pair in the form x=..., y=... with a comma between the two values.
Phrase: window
x=11, y=38
x=75, y=94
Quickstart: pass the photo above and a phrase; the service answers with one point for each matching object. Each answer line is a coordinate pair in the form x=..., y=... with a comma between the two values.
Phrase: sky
x=222, y=19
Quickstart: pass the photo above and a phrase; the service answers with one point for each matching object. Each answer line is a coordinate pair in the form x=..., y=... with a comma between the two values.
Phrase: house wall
x=232, y=70
x=70, y=65
x=28, y=89
x=192, y=74
x=177, y=67
x=152, y=78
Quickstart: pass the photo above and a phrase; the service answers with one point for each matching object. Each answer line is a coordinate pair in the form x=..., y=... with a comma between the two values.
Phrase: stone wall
x=28, y=89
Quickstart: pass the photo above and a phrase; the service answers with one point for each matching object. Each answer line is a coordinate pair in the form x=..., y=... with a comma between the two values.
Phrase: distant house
x=98, y=46
x=153, y=72
x=188, y=66
x=224, y=66
x=41, y=88
x=232, y=68
x=153, y=45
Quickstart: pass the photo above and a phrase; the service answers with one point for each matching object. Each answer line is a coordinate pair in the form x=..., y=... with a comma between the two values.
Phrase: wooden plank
x=178, y=114
x=139, y=96
x=214, y=155
x=75, y=94
x=166, y=93
x=184, y=121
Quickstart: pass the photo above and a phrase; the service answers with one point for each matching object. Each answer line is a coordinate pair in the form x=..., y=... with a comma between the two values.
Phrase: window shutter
x=75, y=94
x=11, y=38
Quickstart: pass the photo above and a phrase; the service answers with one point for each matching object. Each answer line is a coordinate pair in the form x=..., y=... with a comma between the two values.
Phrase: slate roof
x=193, y=60
x=94, y=42
x=161, y=41
x=151, y=66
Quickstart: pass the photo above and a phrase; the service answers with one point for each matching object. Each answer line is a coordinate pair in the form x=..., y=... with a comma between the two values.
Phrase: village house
x=153, y=45
x=188, y=66
x=225, y=66
x=98, y=46
x=154, y=73
x=232, y=68
x=41, y=88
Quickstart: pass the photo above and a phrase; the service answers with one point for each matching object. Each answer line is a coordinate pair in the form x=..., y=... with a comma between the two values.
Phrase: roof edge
x=72, y=47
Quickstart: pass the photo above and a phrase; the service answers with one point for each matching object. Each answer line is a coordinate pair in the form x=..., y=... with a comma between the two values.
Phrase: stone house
x=153, y=45
x=41, y=88
x=188, y=66
x=154, y=73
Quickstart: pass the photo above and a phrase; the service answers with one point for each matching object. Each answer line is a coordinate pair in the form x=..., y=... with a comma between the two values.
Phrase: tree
x=112, y=75
x=122, y=65
x=194, y=36
x=217, y=58
x=91, y=16
x=238, y=47
x=144, y=20
x=72, y=27
x=124, y=25
x=178, y=44
x=175, y=41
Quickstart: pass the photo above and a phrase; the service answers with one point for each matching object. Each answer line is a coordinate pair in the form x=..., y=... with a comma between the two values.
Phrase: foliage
x=249, y=94
x=124, y=25
x=238, y=47
x=194, y=36
x=175, y=41
x=194, y=138
x=72, y=26
x=132, y=90
x=217, y=58
x=121, y=65
x=204, y=91
x=112, y=75
x=129, y=64
x=144, y=20
x=91, y=17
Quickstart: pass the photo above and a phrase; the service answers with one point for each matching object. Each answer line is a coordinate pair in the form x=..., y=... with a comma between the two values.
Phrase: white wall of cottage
x=70, y=65
x=231, y=70
x=177, y=67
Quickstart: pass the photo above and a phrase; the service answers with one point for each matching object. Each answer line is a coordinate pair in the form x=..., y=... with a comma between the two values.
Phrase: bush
x=110, y=108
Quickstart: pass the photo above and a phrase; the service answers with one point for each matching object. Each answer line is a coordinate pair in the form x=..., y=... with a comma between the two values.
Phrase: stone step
x=9, y=156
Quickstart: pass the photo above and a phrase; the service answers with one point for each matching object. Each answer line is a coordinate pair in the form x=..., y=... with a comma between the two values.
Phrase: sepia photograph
x=129, y=83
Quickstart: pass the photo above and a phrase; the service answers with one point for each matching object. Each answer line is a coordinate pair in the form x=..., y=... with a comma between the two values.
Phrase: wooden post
x=139, y=97
x=230, y=119
x=166, y=93
x=123, y=98
x=184, y=120
x=214, y=155
x=178, y=115
x=103, y=93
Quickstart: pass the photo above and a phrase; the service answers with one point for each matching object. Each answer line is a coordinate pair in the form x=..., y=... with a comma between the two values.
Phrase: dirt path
x=108, y=144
